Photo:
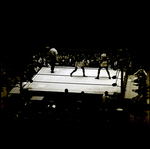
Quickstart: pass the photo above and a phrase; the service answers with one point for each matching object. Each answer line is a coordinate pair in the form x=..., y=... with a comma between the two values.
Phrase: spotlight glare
x=53, y=106
x=119, y=109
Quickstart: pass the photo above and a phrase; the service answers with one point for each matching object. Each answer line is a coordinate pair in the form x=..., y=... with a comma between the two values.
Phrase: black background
x=30, y=27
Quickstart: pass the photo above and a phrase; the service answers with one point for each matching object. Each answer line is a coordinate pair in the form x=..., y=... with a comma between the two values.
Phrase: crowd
x=68, y=59
x=8, y=78
x=64, y=58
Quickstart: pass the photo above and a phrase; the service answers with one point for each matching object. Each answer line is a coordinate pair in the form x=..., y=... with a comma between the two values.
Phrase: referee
x=53, y=53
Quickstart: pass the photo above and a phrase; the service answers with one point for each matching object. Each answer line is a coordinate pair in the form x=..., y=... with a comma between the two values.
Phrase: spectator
x=36, y=68
x=66, y=91
x=44, y=62
x=141, y=73
x=105, y=96
x=40, y=62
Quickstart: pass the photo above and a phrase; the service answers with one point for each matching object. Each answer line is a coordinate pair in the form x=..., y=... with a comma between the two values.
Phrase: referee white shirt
x=53, y=51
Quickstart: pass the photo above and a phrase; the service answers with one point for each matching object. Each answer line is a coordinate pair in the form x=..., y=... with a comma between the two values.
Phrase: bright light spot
x=48, y=105
x=148, y=101
x=53, y=106
x=119, y=109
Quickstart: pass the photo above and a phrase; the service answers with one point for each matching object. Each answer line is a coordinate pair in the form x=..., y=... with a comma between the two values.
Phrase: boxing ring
x=45, y=81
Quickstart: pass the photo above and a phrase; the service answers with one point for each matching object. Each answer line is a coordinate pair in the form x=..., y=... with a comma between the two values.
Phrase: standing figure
x=80, y=62
x=103, y=64
x=53, y=52
x=141, y=73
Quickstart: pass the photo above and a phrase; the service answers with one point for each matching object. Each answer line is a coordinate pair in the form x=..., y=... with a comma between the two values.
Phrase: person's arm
x=136, y=72
x=56, y=52
x=145, y=72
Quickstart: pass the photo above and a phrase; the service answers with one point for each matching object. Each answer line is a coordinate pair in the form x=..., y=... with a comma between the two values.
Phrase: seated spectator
x=35, y=59
x=70, y=60
x=139, y=99
x=44, y=62
x=36, y=69
x=105, y=97
x=40, y=62
x=66, y=91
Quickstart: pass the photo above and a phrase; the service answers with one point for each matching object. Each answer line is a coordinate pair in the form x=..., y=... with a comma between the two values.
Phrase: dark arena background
x=31, y=93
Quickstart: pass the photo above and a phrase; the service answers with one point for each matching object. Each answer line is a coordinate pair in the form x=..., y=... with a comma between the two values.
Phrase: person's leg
x=73, y=71
x=98, y=73
x=52, y=67
x=108, y=72
x=53, y=60
x=83, y=71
